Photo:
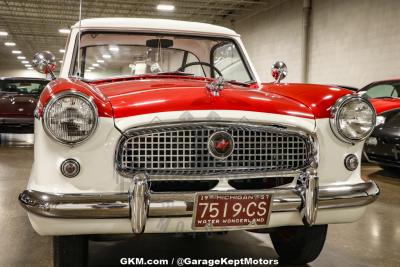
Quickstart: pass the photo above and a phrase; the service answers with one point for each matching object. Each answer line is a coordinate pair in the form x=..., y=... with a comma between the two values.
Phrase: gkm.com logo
x=198, y=262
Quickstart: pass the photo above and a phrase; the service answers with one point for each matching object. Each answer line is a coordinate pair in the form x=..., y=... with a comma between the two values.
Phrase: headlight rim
x=334, y=118
x=58, y=96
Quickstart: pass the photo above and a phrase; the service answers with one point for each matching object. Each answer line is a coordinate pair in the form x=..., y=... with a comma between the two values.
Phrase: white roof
x=155, y=25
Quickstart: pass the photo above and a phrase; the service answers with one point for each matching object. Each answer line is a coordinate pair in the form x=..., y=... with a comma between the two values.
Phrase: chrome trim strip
x=117, y=205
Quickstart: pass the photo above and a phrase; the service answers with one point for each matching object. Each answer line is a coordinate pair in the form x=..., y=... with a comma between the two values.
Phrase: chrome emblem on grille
x=221, y=145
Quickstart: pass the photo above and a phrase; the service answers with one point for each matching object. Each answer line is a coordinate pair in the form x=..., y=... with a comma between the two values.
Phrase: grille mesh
x=183, y=150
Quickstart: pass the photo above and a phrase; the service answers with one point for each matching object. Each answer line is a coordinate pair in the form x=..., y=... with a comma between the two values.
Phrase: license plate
x=231, y=210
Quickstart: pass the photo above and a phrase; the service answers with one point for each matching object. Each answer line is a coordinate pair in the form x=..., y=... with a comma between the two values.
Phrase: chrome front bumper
x=139, y=203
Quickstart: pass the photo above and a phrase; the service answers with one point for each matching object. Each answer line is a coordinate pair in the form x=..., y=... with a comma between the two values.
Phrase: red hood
x=126, y=97
x=319, y=98
x=385, y=104
x=161, y=94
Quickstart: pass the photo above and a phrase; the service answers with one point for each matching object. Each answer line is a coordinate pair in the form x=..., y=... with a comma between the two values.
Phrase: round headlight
x=352, y=118
x=70, y=118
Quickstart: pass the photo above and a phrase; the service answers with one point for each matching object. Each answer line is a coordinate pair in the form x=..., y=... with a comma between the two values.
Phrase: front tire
x=70, y=251
x=299, y=244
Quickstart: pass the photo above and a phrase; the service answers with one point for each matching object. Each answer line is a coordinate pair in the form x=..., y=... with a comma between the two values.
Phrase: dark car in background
x=18, y=99
x=383, y=146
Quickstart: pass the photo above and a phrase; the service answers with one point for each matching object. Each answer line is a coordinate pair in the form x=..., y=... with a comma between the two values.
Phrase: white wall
x=354, y=42
x=351, y=42
x=274, y=35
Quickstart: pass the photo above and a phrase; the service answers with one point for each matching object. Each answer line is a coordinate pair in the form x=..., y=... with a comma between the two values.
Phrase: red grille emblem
x=221, y=145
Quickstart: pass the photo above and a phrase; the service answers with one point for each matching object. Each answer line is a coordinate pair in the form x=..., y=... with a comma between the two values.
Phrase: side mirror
x=45, y=62
x=279, y=71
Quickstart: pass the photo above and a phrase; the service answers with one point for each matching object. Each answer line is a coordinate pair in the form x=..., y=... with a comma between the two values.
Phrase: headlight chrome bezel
x=82, y=96
x=334, y=118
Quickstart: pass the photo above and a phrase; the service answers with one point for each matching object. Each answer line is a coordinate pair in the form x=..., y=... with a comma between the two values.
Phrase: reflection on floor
x=372, y=241
x=16, y=140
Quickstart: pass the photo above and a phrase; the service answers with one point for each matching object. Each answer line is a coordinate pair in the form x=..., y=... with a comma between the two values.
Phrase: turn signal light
x=70, y=168
x=351, y=162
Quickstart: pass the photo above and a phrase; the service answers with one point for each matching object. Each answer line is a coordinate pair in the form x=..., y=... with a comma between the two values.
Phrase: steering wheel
x=182, y=68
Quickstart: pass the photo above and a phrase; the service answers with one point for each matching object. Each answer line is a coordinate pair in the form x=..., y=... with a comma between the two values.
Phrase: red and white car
x=162, y=126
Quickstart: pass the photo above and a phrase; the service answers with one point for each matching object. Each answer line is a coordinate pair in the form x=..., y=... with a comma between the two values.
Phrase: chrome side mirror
x=45, y=62
x=279, y=71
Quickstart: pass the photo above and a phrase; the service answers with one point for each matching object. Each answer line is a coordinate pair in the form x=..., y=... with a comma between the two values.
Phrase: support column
x=305, y=40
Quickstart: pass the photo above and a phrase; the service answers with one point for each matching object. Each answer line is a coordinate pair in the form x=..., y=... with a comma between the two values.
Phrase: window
x=383, y=90
x=226, y=58
x=107, y=55
x=100, y=62
x=23, y=87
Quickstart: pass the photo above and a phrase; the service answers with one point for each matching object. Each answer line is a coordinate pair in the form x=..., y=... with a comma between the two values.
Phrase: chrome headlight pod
x=352, y=119
x=70, y=117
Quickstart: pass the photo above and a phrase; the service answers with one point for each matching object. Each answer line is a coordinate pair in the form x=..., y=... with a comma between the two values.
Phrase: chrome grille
x=182, y=150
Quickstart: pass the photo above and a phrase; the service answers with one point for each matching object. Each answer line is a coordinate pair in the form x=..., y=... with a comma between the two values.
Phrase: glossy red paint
x=319, y=98
x=385, y=104
x=158, y=94
x=61, y=85
x=124, y=97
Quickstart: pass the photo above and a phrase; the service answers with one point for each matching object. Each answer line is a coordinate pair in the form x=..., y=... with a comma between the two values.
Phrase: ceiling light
x=21, y=57
x=106, y=56
x=28, y=65
x=9, y=44
x=16, y=52
x=62, y=50
x=25, y=62
x=114, y=48
x=165, y=7
x=95, y=64
x=91, y=68
x=30, y=68
x=63, y=31
x=60, y=61
x=88, y=70
x=100, y=61
x=3, y=33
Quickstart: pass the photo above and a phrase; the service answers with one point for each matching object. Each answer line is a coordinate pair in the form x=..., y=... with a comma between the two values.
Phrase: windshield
x=106, y=55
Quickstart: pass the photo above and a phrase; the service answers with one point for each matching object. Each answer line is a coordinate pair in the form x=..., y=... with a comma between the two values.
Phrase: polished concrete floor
x=372, y=241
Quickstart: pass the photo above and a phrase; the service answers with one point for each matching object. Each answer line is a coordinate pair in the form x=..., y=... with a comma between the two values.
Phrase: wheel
x=299, y=244
x=70, y=251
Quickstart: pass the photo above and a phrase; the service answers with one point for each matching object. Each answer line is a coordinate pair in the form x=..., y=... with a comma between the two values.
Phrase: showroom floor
x=372, y=241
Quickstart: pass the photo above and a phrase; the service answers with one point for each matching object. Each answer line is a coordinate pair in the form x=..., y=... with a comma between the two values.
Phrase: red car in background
x=383, y=146
x=18, y=99
x=384, y=95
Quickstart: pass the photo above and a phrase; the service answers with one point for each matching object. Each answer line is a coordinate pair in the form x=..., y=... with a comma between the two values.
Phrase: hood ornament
x=215, y=86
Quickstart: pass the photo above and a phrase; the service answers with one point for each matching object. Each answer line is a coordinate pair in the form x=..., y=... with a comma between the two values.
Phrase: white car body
x=98, y=175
